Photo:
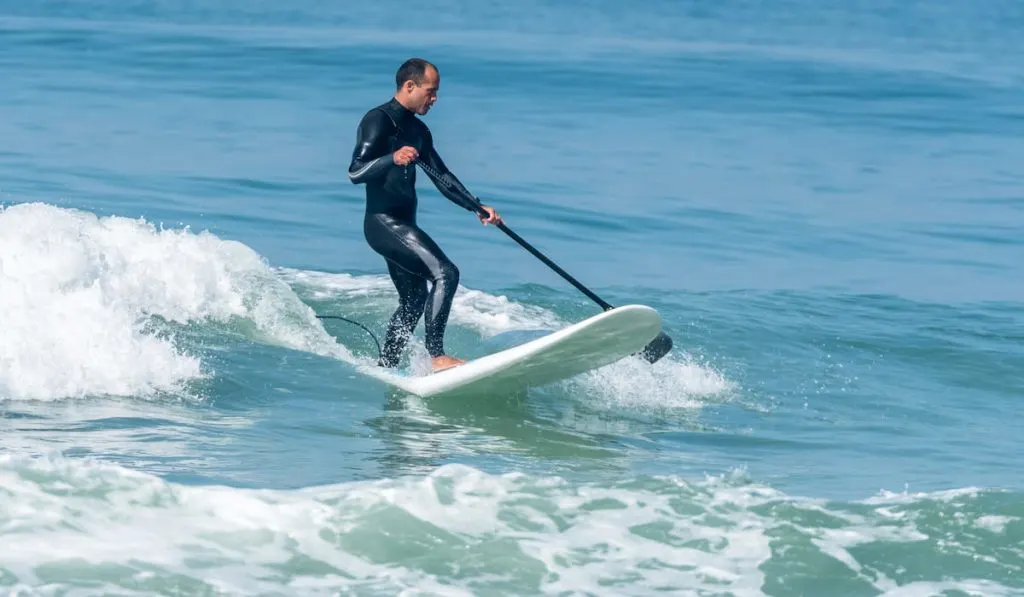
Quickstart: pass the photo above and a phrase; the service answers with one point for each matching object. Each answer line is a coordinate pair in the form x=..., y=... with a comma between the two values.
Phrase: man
x=389, y=139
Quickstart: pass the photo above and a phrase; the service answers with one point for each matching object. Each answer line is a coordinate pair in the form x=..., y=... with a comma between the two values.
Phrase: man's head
x=417, y=82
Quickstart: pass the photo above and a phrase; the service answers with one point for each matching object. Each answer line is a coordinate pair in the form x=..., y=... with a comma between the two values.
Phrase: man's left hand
x=492, y=216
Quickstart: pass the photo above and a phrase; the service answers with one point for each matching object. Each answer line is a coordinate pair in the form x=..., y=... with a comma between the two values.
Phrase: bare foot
x=445, y=362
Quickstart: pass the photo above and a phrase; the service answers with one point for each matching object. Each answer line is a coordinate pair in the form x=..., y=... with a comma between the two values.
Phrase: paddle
x=655, y=349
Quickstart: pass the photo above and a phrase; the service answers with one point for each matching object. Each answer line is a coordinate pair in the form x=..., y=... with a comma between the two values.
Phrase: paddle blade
x=657, y=348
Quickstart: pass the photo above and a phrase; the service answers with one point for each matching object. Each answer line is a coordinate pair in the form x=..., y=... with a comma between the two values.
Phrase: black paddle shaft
x=655, y=349
x=552, y=265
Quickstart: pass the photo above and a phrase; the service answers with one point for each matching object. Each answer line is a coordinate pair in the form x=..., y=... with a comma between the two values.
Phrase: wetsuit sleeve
x=372, y=156
x=449, y=185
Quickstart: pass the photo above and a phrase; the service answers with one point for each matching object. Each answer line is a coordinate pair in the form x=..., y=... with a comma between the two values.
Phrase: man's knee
x=449, y=274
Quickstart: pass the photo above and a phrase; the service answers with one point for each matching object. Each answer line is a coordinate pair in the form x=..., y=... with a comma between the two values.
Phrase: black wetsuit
x=390, y=228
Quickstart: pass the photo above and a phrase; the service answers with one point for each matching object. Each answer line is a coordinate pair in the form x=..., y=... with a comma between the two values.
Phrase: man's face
x=421, y=97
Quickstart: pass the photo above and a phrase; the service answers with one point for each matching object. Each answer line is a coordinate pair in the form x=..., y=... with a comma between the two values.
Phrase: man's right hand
x=406, y=155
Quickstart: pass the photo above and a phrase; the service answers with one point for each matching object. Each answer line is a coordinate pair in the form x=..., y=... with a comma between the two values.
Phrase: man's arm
x=454, y=190
x=372, y=156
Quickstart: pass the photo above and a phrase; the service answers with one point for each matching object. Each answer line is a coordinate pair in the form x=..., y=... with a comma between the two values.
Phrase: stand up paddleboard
x=589, y=344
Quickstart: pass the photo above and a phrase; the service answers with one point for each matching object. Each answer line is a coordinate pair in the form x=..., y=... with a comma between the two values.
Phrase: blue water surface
x=823, y=201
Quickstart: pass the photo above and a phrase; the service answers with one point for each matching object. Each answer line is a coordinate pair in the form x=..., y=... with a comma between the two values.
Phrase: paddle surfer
x=389, y=139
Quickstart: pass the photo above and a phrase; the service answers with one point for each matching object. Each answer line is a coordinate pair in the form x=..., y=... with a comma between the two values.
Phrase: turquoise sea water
x=824, y=201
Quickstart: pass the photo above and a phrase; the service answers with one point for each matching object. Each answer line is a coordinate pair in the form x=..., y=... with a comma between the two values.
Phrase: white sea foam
x=77, y=293
x=674, y=382
x=74, y=527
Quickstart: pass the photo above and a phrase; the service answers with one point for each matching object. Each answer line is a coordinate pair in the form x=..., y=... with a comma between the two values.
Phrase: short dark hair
x=413, y=68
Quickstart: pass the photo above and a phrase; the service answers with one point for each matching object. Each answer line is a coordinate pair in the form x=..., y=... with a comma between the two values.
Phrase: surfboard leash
x=379, y=351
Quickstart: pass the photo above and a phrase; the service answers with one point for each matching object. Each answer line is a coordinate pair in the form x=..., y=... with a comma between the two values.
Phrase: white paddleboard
x=589, y=344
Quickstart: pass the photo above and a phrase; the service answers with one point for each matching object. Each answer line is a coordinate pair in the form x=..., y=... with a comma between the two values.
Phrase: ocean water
x=824, y=201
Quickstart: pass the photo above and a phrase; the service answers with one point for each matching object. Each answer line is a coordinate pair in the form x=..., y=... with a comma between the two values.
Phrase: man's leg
x=408, y=249
x=412, y=296
x=438, y=307
x=444, y=278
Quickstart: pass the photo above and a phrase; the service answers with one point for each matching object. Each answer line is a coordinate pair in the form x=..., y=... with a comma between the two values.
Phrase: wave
x=111, y=306
x=73, y=527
